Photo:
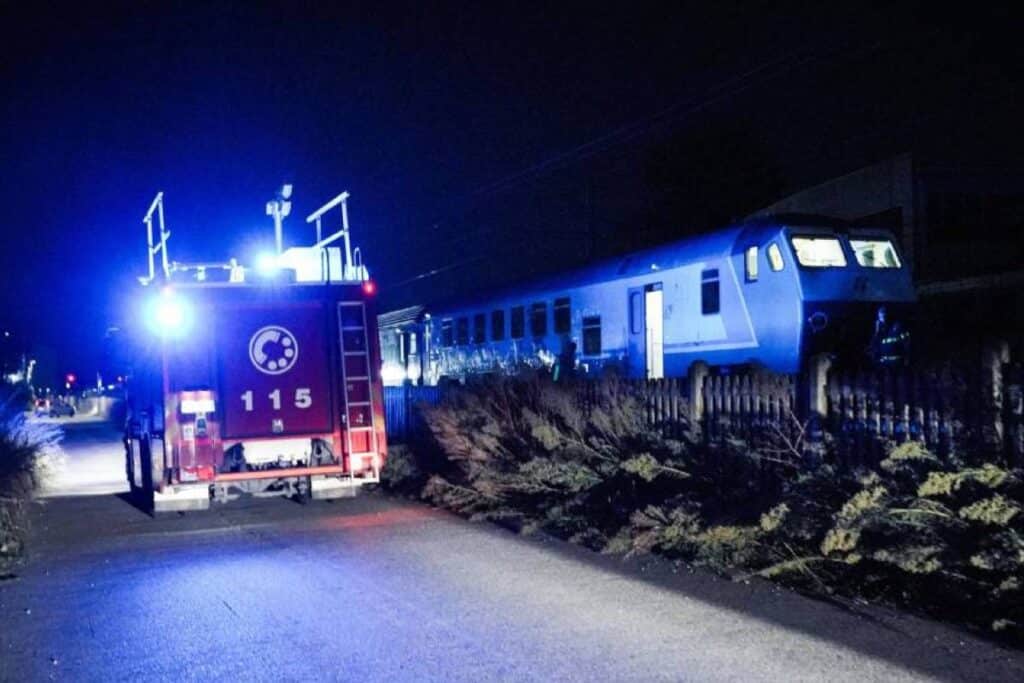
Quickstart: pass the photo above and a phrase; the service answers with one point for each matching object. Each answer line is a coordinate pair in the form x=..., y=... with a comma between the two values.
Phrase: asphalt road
x=381, y=589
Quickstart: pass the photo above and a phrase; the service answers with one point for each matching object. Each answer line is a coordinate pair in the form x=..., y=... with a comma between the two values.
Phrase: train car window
x=750, y=262
x=775, y=257
x=636, y=312
x=518, y=322
x=709, y=294
x=498, y=324
x=592, y=335
x=462, y=331
x=563, y=315
x=539, y=319
x=875, y=253
x=479, y=328
x=819, y=252
x=447, y=338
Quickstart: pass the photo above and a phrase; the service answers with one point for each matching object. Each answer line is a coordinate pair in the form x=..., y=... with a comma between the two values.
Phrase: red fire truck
x=255, y=381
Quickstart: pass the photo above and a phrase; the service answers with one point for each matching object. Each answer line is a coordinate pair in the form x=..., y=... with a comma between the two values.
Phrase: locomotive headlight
x=169, y=315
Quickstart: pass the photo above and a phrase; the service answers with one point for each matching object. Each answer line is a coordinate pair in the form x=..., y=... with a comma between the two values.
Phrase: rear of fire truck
x=255, y=381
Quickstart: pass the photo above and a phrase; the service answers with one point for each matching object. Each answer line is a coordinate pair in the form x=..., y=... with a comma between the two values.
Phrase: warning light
x=168, y=315
x=70, y=378
x=369, y=287
x=267, y=264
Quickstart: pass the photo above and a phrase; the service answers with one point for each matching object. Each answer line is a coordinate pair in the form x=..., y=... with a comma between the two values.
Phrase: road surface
x=381, y=589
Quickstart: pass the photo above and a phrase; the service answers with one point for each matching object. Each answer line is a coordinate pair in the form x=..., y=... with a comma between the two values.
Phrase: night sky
x=490, y=143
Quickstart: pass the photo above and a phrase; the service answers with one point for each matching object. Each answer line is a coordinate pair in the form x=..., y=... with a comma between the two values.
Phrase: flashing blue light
x=168, y=315
x=267, y=264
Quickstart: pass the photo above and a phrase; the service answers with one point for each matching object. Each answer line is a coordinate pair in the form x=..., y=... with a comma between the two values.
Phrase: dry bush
x=524, y=451
x=940, y=535
x=21, y=444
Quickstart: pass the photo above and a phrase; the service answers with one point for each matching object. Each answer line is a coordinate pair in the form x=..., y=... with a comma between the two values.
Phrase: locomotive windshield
x=875, y=253
x=819, y=252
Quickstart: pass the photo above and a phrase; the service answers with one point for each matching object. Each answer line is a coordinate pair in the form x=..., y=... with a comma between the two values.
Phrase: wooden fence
x=976, y=405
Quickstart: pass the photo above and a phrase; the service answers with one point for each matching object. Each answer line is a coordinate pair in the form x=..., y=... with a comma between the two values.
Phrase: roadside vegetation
x=22, y=442
x=942, y=536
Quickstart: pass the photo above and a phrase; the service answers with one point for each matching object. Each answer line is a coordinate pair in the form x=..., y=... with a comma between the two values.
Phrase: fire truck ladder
x=355, y=345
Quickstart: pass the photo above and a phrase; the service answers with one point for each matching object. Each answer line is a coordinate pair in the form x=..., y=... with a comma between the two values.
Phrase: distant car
x=60, y=409
x=42, y=407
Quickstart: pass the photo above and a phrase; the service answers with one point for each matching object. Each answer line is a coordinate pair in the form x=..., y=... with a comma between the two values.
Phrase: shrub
x=941, y=535
x=21, y=443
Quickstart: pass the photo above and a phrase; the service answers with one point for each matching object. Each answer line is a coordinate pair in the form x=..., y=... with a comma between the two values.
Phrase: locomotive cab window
x=563, y=316
x=875, y=253
x=539, y=319
x=775, y=257
x=750, y=263
x=819, y=252
x=497, y=325
x=709, y=292
x=592, y=335
x=447, y=337
x=518, y=322
x=462, y=331
x=479, y=328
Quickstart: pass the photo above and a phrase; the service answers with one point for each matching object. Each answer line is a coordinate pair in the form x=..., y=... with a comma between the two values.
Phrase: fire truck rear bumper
x=327, y=488
x=182, y=499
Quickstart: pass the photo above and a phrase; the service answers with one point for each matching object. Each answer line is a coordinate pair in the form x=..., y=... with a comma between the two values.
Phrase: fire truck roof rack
x=319, y=262
x=158, y=206
x=352, y=268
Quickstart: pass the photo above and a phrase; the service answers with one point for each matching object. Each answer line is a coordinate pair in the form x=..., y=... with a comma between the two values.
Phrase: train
x=769, y=292
x=257, y=380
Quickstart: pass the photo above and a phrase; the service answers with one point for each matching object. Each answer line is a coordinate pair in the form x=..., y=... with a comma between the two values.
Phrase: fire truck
x=255, y=380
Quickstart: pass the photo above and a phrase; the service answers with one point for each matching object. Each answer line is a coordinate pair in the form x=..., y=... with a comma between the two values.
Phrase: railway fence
x=974, y=404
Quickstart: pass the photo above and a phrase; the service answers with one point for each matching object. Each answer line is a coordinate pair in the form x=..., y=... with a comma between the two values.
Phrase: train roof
x=717, y=244
x=669, y=255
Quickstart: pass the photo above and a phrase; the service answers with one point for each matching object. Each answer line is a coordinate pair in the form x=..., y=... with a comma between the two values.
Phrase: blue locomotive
x=768, y=292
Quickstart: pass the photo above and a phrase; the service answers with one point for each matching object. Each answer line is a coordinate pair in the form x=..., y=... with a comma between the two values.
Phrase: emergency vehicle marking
x=273, y=350
x=303, y=399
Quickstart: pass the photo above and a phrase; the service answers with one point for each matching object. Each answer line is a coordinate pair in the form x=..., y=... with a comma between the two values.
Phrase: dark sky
x=429, y=116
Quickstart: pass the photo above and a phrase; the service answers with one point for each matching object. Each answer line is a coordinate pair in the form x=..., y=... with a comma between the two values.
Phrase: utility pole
x=279, y=207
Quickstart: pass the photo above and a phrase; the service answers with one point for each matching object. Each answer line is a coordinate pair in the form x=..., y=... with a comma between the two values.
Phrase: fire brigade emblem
x=273, y=350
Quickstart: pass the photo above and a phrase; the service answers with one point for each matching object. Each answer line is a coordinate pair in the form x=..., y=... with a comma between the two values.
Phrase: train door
x=654, y=331
x=646, y=332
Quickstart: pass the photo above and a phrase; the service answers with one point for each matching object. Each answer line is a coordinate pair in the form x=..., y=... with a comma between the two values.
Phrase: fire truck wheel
x=129, y=467
x=144, y=495
x=304, y=490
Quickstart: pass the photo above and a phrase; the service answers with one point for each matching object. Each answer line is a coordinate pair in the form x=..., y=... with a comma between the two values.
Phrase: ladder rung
x=362, y=454
x=355, y=353
x=353, y=328
x=360, y=429
x=359, y=403
x=356, y=379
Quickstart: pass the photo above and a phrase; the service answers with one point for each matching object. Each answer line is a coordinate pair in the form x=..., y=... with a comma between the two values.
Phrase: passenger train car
x=768, y=292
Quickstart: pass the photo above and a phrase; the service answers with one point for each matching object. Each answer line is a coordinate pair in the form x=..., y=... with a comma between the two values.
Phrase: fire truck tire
x=144, y=495
x=128, y=464
x=304, y=490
